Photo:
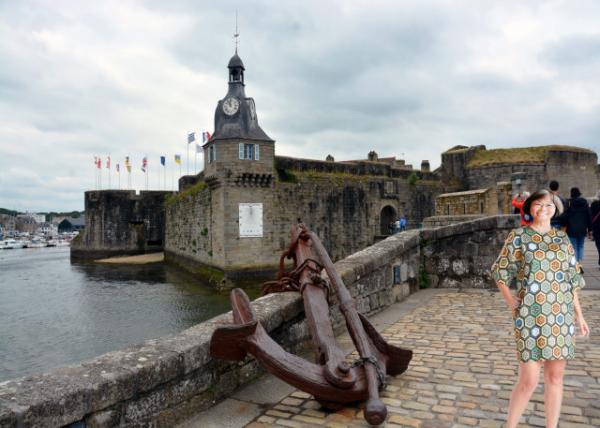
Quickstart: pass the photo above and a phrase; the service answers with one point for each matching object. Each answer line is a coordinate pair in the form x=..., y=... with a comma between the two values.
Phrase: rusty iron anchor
x=331, y=380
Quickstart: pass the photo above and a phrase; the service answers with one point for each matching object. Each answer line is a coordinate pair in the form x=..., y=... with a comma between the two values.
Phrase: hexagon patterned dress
x=547, y=275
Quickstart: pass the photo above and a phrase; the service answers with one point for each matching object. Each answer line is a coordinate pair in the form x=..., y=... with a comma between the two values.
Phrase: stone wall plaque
x=251, y=220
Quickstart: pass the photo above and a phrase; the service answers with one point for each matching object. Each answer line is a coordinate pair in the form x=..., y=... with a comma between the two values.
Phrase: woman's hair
x=575, y=192
x=542, y=194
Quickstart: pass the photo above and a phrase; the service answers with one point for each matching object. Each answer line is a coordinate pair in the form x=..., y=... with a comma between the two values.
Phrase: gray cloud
x=336, y=77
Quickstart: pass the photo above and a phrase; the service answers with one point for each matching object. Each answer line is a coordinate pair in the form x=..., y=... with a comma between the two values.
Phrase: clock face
x=231, y=106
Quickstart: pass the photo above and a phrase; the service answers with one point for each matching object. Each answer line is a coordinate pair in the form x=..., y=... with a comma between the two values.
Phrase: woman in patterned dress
x=546, y=307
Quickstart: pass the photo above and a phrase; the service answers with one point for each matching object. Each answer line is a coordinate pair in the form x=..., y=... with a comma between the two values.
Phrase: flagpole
x=108, y=167
x=188, y=160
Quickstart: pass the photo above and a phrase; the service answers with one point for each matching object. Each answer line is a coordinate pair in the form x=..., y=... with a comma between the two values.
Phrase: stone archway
x=386, y=216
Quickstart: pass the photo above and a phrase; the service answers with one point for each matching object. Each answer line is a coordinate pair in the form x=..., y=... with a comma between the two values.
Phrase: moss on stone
x=517, y=155
x=191, y=191
x=212, y=273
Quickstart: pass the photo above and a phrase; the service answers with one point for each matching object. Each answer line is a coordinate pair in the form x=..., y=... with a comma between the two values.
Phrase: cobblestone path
x=462, y=372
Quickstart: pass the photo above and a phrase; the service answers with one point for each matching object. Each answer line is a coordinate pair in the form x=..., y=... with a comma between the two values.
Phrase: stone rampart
x=121, y=222
x=163, y=381
x=349, y=212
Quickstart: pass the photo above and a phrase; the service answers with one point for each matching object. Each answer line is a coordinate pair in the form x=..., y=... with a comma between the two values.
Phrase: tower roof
x=236, y=61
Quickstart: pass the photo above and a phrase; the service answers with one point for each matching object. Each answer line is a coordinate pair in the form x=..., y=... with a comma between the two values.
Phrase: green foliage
x=9, y=212
x=287, y=176
x=189, y=192
x=423, y=278
x=204, y=232
x=193, y=242
x=210, y=253
x=413, y=178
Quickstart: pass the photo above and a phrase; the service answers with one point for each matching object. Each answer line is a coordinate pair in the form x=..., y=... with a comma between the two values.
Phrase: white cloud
x=338, y=77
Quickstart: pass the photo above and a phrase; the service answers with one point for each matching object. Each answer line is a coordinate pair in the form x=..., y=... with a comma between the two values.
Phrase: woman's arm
x=511, y=300
x=584, y=330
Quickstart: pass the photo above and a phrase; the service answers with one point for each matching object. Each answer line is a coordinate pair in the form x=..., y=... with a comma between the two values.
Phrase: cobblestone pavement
x=462, y=372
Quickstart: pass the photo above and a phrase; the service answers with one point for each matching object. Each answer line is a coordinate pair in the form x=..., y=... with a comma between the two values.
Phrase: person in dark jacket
x=595, y=209
x=578, y=220
x=555, y=222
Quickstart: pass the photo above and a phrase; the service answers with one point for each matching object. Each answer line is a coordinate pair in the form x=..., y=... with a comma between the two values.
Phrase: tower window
x=249, y=151
x=212, y=153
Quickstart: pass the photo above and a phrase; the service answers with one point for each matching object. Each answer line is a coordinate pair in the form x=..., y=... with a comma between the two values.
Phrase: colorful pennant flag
x=99, y=164
x=178, y=159
x=108, y=162
x=191, y=137
x=163, y=160
x=144, y=164
x=205, y=136
x=117, y=166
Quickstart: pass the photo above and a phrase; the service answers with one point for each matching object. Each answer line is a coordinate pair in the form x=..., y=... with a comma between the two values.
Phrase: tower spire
x=236, y=35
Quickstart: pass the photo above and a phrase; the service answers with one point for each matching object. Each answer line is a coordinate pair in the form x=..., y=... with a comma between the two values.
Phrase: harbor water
x=54, y=313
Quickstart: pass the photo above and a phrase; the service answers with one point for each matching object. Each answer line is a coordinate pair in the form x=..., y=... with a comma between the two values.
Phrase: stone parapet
x=164, y=380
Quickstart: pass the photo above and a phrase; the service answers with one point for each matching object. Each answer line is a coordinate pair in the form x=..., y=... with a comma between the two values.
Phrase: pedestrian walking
x=578, y=221
x=554, y=186
x=595, y=214
x=542, y=261
x=517, y=201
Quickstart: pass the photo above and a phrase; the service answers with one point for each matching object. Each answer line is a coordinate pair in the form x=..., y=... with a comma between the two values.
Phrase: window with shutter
x=256, y=152
x=241, y=150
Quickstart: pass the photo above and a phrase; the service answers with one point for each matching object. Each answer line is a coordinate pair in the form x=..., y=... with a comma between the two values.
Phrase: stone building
x=234, y=218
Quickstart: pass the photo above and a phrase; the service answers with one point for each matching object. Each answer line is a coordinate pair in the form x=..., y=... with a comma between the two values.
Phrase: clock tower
x=239, y=169
x=237, y=135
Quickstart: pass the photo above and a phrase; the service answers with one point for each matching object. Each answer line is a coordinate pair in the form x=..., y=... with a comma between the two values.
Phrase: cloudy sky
x=79, y=79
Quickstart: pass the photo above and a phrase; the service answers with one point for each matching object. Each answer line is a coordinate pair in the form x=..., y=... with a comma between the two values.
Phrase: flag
x=127, y=161
x=144, y=164
x=163, y=160
x=178, y=159
x=108, y=162
x=99, y=163
x=198, y=148
x=95, y=160
x=205, y=136
x=128, y=168
x=191, y=137
x=117, y=168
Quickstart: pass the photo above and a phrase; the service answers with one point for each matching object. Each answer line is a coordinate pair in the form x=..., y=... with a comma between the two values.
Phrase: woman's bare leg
x=529, y=374
x=554, y=372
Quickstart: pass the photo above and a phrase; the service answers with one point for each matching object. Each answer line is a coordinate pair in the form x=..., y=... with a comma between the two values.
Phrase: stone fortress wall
x=121, y=222
x=165, y=380
x=506, y=172
x=347, y=204
x=477, y=168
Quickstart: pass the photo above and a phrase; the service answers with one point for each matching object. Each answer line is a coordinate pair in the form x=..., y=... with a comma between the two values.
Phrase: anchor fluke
x=228, y=341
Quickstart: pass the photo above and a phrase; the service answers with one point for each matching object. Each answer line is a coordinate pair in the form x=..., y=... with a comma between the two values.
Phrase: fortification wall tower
x=121, y=222
x=238, y=175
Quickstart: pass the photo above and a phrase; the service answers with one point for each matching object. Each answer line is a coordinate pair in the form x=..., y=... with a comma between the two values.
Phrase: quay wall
x=165, y=380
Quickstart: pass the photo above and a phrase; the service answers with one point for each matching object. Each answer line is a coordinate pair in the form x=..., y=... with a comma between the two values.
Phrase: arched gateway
x=388, y=215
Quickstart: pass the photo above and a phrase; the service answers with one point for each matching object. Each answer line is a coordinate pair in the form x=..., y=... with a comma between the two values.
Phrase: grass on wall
x=517, y=155
x=191, y=191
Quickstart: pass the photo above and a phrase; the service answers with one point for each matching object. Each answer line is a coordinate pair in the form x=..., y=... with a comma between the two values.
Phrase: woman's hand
x=514, y=302
x=584, y=330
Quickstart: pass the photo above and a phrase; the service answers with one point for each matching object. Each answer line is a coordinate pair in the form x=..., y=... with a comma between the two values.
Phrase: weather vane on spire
x=236, y=35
